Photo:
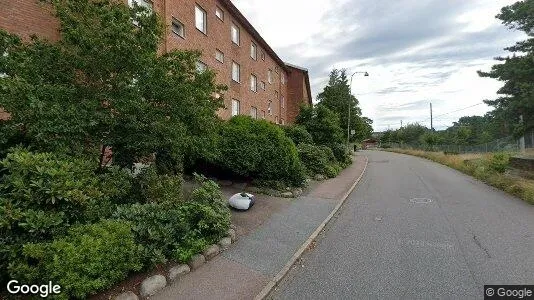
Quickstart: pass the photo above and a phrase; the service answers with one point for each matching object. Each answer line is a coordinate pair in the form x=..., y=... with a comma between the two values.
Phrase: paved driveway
x=414, y=229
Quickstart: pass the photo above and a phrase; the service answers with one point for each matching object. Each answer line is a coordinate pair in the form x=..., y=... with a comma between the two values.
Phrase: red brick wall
x=26, y=17
x=297, y=92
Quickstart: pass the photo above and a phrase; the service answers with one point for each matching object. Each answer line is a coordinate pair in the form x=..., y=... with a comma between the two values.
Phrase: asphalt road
x=383, y=244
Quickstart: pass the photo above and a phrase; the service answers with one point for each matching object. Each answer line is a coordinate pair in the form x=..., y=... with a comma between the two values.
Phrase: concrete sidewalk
x=242, y=271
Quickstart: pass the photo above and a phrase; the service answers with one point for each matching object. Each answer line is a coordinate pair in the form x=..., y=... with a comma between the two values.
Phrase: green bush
x=298, y=134
x=89, y=259
x=499, y=162
x=318, y=160
x=258, y=149
x=155, y=188
x=341, y=153
x=178, y=230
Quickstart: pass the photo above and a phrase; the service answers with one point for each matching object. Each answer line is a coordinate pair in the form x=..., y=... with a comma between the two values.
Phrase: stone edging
x=154, y=284
x=273, y=282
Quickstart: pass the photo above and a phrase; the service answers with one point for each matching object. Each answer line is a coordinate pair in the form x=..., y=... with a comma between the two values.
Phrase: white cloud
x=417, y=51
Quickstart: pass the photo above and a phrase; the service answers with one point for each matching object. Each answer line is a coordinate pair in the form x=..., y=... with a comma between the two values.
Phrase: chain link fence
x=508, y=144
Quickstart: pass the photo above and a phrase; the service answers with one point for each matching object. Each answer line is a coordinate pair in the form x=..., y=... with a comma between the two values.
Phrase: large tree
x=337, y=97
x=105, y=82
x=516, y=71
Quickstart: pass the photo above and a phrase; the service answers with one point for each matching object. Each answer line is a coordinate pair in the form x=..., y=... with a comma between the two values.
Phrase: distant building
x=259, y=83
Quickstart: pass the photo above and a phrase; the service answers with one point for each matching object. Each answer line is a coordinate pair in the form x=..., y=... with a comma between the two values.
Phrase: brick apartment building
x=259, y=83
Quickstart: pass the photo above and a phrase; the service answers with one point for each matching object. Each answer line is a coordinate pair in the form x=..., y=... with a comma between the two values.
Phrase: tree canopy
x=516, y=71
x=337, y=97
x=106, y=83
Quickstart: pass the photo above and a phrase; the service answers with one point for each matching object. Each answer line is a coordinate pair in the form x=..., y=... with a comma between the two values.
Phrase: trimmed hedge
x=258, y=149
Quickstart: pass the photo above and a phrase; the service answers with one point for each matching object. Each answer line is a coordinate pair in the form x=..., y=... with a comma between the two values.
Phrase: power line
x=434, y=117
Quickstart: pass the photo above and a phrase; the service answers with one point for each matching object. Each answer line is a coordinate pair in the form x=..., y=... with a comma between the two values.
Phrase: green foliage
x=87, y=260
x=178, y=230
x=155, y=188
x=516, y=71
x=341, y=153
x=258, y=149
x=322, y=124
x=318, y=160
x=298, y=134
x=337, y=97
x=105, y=83
x=499, y=162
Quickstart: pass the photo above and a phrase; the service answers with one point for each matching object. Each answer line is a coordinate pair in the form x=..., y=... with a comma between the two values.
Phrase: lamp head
x=366, y=74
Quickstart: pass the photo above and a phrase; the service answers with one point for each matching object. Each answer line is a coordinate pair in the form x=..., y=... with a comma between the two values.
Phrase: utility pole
x=431, y=119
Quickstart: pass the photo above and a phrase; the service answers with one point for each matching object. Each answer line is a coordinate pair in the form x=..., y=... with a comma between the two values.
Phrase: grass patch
x=489, y=168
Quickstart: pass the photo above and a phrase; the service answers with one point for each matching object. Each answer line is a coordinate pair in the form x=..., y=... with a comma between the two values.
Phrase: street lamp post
x=348, y=120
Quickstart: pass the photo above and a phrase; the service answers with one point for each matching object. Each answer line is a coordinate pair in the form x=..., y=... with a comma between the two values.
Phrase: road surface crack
x=479, y=244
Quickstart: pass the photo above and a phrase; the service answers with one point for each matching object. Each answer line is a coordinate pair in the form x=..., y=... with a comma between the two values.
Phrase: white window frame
x=270, y=108
x=283, y=78
x=219, y=13
x=275, y=119
x=236, y=76
x=263, y=114
x=175, y=21
x=282, y=121
x=270, y=76
x=262, y=85
x=253, y=83
x=253, y=51
x=254, y=112
x=282, y=101
x=201, y=66
x=204, y=15
x=262, y=55
x=236, y=107
x=219, y=56
x=237, y=38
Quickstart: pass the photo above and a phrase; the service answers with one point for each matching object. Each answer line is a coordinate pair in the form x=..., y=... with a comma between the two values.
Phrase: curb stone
x=152, y=285
x=273, y=282
x=127, y=296
x=178, y=271
x=211, y=252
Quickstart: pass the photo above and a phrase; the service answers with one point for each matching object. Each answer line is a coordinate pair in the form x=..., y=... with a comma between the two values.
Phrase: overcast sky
x=416, y=51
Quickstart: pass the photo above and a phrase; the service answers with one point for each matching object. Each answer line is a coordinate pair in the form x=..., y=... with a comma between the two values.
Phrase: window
x=200, y=19
x=269, y=109
x=253, y=53
x=270, y=76
x=254, y=112
x=253, y=83
x=262, y=55
x=262, y=85
x=219, y=13
x=235, y=72
x=282, y=122
x=178, y=28
x=282, y=101
x=263, y=114
x=235, y=34
x=283, y=78
x=276, y=95
x=219, y=56
x=201, y=67
x=276, y=120
x=235, y=107
x=276, y=70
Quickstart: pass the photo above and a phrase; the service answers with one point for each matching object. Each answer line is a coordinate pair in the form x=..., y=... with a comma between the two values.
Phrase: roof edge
x=244, y=22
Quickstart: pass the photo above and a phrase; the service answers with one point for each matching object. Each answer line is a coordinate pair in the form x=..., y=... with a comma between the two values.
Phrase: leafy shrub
x=499, y=162
x=298, y=134
x=341, y=153
x=90, y=258
x=178, y=230
x=322, y=123
x=318, y=160
x=258, y=149
x=156, y=188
